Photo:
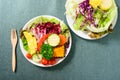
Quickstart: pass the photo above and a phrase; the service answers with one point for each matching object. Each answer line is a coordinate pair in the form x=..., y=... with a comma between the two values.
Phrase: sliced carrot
x=39, y=45
x=63, y=39
x=44, y=37
x=41, y=41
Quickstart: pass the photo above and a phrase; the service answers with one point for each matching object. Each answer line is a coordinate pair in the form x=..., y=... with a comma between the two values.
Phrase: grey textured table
x=88, y=60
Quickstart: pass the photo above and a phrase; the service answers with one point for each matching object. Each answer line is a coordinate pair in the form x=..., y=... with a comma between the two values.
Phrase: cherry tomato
x=52, y=62
x=44, y=61
x=28, y=55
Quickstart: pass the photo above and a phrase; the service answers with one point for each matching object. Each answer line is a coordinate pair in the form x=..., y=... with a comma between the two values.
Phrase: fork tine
x=13, y=32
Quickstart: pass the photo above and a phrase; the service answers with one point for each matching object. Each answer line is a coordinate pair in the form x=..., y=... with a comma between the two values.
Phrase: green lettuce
x=105, y=22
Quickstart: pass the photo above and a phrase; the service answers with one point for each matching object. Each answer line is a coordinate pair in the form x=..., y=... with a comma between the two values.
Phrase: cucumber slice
x=37, y=57
x=53, y=40
x=40, y=57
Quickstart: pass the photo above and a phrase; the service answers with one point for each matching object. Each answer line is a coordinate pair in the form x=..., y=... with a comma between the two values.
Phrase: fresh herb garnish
x=47, y=51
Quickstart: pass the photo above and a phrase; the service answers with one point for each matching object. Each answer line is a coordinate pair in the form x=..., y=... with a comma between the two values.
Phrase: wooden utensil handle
x=13, y=59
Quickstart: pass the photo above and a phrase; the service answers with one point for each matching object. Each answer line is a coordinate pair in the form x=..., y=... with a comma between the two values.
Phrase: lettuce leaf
x=105, y=22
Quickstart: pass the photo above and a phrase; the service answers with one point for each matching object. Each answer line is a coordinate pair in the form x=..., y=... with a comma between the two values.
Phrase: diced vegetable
x=63, y=39
x=59, y=51
x=67, y=34
x=53, y=40
x=46, y=51
x=42, y=41
x=39, y=46
x=37, y=57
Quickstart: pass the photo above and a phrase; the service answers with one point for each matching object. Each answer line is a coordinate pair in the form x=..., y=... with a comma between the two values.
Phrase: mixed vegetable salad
x=92, y=16
x=46, y=39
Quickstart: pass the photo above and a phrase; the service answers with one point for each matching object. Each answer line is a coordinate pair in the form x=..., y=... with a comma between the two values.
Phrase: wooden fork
x=13, y=42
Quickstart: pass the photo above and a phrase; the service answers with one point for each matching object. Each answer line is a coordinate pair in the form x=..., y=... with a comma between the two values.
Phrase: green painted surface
x=88, y=60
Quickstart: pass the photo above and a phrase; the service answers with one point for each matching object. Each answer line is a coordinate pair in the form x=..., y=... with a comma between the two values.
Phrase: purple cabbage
x=41, y=29
x=87, y=11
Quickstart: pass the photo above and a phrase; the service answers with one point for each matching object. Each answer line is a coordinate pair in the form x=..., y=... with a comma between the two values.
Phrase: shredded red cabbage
x=41, y=29
x=87, y=11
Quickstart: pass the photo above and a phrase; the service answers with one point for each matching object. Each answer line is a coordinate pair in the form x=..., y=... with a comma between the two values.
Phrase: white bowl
x=85, y=35
x=25, y=52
